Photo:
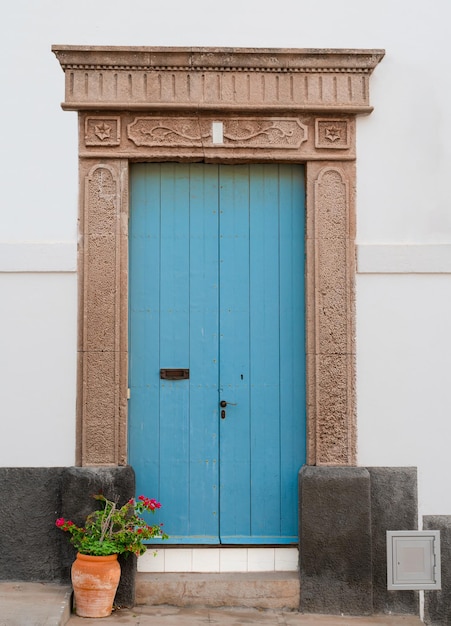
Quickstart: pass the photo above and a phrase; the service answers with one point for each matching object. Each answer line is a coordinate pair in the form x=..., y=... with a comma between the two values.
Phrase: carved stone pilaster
x=103, y=289
x=330, y=327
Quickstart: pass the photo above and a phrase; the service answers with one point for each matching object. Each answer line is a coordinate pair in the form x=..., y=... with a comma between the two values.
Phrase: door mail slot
x=174, y=374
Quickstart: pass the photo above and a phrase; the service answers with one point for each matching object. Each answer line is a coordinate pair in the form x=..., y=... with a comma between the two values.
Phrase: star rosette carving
x=332, y=133
x=102, y=131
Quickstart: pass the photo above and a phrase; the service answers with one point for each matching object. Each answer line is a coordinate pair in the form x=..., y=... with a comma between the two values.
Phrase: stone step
x=258, y=590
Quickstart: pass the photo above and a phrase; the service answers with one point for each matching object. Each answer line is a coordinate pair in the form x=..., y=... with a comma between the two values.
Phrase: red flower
x=118, y=525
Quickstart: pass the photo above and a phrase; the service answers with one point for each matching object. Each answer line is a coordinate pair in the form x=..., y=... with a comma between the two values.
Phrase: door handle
x=223, y=403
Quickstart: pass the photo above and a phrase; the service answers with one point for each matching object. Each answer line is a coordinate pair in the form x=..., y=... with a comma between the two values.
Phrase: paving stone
x=183, y=616
x=46, y=604
x=34, y=604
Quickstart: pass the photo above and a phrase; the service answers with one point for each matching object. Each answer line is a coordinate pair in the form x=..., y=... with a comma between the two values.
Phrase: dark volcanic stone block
x=394, y=506
x=29, y=540
x=335, y=540
x=437, y=604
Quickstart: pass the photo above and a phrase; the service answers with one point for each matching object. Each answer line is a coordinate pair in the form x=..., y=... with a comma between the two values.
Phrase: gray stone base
x=344, y=514
x=32, y=548
x=437, y=604
x=258, y=590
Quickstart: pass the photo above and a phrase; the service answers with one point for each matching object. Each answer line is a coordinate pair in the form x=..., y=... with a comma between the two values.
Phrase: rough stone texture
x=330, y=269
x=344, y=516
x=394, y=506
x=335, y=540
x=79, y=484
x=102, y=351
x=30, y=543
x=264, y=590
x=437, y=604
x=32, y=548
x=275, y=105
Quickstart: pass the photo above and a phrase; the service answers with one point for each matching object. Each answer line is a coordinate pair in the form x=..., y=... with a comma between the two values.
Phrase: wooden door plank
x=292, y=343
x=265, y=337
x=235, y=477
x=204, y=313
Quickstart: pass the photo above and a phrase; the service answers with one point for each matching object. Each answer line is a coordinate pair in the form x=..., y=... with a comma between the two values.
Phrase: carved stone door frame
x=216, y=105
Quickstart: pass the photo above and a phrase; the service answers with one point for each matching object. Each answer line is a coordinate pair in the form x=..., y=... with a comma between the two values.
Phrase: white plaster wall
x=404, y=159
x=404, y=378
x=38, y=367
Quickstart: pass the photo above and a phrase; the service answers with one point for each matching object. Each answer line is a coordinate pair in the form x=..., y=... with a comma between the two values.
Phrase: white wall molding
x=42, y=256
x=404, y=258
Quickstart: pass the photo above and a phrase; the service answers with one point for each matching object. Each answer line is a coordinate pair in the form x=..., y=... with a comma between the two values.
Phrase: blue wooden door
x=217, y=290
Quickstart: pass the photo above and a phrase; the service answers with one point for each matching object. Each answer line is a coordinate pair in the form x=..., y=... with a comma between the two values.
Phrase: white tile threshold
x=219, y=560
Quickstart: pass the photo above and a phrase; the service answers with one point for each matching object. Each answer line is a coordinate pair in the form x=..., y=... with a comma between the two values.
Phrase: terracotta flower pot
x=95, y=580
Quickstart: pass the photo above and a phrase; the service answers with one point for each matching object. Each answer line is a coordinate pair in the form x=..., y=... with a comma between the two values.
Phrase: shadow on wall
x=33, y=549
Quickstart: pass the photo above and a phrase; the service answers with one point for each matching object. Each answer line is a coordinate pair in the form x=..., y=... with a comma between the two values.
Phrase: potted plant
x=107, y=532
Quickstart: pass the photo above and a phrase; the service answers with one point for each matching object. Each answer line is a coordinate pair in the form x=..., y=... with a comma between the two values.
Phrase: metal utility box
x=413, y=559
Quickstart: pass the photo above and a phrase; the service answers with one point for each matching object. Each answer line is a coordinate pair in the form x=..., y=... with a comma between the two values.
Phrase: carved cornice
x=146, y=78
x=217, y=59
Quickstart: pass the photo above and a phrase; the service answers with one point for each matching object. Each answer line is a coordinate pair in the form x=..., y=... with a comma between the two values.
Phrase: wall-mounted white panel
x=413, y=560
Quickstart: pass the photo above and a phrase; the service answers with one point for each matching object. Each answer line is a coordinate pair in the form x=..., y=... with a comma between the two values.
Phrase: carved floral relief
x=237, y=132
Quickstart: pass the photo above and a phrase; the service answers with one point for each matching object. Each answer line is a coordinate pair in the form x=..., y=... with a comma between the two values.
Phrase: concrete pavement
x=46, y=604
x=34, y=604
x=175, y=616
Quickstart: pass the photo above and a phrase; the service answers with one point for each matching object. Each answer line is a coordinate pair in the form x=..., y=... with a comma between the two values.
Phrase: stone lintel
x=183, y=79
